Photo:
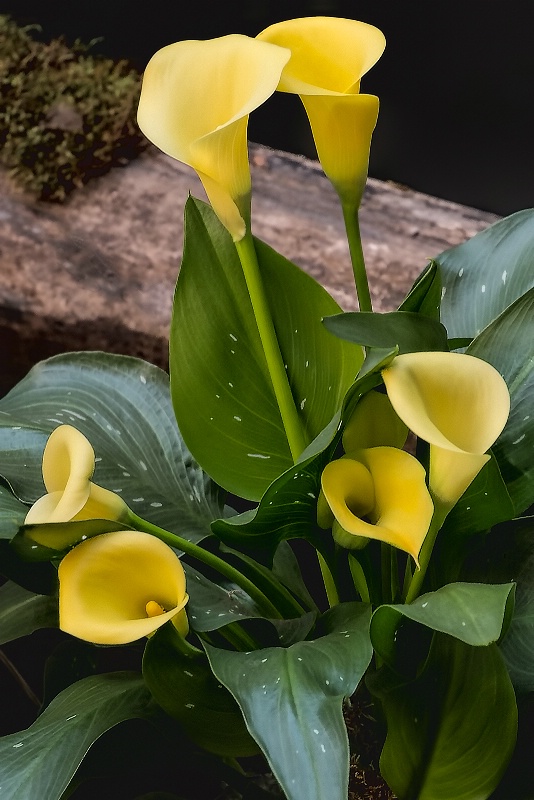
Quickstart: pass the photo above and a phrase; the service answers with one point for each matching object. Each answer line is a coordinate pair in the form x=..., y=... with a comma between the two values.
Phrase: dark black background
x=455, y=82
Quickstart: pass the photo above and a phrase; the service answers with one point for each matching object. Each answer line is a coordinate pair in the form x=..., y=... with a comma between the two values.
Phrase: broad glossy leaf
x=40, y=761
x=409, y=331
x=12, y=512
x=452, y=731
x=123, y=406
x=486, y=274
x=222, y=392
x=186, y=688
x=23, y=612
x=508, y=344
x=474, y=613
x=292, y=697
x=518, y=644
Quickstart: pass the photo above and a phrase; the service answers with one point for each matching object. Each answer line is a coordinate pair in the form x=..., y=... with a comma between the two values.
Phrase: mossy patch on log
x=65, y=116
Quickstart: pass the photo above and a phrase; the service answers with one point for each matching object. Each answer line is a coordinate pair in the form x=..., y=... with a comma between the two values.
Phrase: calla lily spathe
x=374, y=423
x=329, y=56
x=195, y=100
x=457, y=403
x=68, y=466
x=121, y=586
x=377, y=493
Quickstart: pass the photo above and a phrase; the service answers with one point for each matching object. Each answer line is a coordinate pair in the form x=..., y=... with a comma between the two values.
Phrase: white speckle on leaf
x=443, y=291
x=98, y=459
x=142, y=378
x=307, y=364
x=257, y=455
x=520, y=439
x=155, y=504
x=126, y=474
x=71, y=717
x=463, y=624
x=316, y=731
x=504, y=276
x=218, y=396
x=230, y=384
x=263, y=660
x=483, y=288
x=186, y=672
x=136, y=499
x=143, y=465
x=237, y=419
x=19, y=744
x=234, y=338
x=189, y=705
x=424, y=605
x=461, y=272
x=327, y=682
x=323, y=748
x=303, y=403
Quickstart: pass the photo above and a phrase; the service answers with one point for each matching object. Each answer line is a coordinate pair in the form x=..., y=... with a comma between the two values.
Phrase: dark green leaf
x=451, y=731
x=185, y=687
x=12, y=513
x=486, y=274
x=291, y=699
x=22, y=612
x=40, y=761
x=409, y=331
x=222, y=392
x=474, y=613
x=425, y=295
x=518, y=644
x=485, y=503
x=123, y=406
x=508, y=344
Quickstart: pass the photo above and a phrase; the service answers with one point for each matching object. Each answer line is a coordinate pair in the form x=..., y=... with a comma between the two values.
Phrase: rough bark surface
x=99, y=271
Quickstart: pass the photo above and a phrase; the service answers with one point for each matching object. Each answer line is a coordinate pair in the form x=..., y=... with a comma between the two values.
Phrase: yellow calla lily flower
x=119, y=587
x=457, y=403
x=374, y=423
x=195, y=100
x=68, y=466
x=379, y=493
x=329, y=55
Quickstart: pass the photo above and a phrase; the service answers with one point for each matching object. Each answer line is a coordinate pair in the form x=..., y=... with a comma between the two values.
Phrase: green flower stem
x=210, y=559
x=440, y=512
x=329, y=584
x=277, y=591
x=282, y=390
x=385, y=569
x=358, y=576
x=394, y=574
x=239, y=638
x=352, y=227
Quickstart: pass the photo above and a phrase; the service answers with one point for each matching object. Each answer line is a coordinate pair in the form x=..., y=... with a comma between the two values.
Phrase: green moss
x=65, y=116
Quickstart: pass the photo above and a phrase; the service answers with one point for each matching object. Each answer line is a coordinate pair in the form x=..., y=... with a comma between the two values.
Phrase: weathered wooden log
x=99, y=271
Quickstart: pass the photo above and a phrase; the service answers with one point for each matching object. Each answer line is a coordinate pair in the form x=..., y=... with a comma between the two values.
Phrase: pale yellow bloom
x=374, y=423
x=68, y=466
x=329, y=56
x=378, y=493
x=195, y=101
x=121, y=586
x=457, y=403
